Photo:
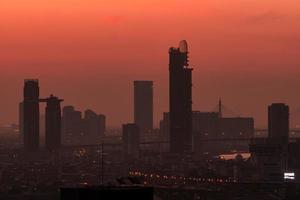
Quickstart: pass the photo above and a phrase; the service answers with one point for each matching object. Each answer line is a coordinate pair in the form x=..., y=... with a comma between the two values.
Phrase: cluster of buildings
x=188, y=134
x=185, y=130
x=276, y=157
x=30, y=118
x=58, y=126
x=79, y=129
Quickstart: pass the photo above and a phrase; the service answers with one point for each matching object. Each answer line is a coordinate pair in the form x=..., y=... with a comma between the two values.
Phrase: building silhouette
x=72, y=123
x=31, y=114
x=211, y=128
x=53, y=122
x=131, y=140
x=102, y=124
x=180, y=102
x=270, y=154
x=278, y=122
x=143, y=105
x=94, y=125
x=164, y=126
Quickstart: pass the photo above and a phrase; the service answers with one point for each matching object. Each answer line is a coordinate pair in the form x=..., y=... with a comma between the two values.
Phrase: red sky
x=90, y=51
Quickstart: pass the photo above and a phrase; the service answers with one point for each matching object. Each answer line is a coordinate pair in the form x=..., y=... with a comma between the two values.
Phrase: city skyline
x=246, y=53
x=150, y=99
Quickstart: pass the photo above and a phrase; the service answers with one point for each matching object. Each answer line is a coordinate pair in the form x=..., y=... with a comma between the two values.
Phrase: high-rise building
x=143, y=105
x=131, y=140
x=53, y=122
x=180, y=86
x=271, y=154
x=72, y=123
x=94, y=125
x=31, y=115
x=278, y=122
x=164, y=126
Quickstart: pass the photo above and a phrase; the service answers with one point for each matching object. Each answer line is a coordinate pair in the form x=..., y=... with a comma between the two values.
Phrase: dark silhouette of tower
x=53, y=122
x=31, y=115
x=180, y=83
x=143, y=105
x=278, y=122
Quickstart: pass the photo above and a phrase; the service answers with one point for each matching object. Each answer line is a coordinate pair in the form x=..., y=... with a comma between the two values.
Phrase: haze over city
x=89, y=52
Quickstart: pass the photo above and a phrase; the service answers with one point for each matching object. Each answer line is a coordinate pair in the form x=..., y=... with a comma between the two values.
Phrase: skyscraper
x=94, y=125
x=180, y=88
x=278, y=122
x=53, y=122
x=143, y=105
x=31, y=115
x=72, y=123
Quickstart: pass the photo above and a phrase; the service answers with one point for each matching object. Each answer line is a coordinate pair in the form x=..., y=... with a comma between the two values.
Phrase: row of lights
x=181, y=178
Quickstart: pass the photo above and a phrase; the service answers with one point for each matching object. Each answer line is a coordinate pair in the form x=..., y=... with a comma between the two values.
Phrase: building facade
x=31, y=114
x=143, y=105
x=180, y=102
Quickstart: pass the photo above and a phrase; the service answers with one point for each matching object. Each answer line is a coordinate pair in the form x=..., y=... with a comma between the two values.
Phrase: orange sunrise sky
x=88, y=52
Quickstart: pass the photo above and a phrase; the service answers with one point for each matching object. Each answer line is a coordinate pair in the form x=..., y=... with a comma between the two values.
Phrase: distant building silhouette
x=31, y=115
x=131, y=140
x=164, y=126
x=143, y=105
x=209, y=126
x=180, y=86
x=102, y=124
x=278, y=122
x=72, y=123
x=94, y=124
x=53, y=123
x=270, y=154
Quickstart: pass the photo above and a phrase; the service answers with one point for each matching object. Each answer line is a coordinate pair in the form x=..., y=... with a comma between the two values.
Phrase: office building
x=278, y=122
x=143, y=105
x=164, y=127
x=72, y=123
x=53, y=123
x=31, y=115
x=270, y=155
x=94, y=124
x=180, y=102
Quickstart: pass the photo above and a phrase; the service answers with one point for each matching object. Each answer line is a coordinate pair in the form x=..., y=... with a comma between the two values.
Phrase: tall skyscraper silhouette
x=31, y=115
x=143, y=105
x=53, y=122
x=180, y=88
x=278, y=122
